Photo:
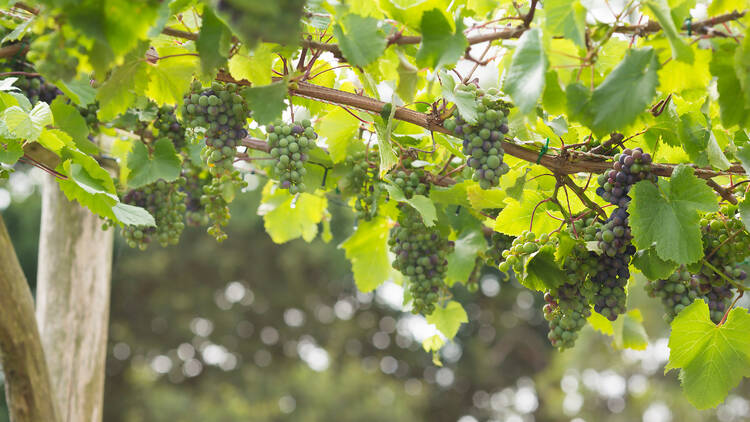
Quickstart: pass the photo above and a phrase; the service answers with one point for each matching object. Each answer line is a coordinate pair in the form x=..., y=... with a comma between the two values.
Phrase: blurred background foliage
x=248, y=330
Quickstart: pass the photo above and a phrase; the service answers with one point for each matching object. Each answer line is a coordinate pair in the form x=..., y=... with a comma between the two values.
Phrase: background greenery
x=251, y=330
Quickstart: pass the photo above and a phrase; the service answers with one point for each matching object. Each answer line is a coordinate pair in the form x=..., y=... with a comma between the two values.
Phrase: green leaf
x=10, y=151
x=27, y=126
x=272, y=21
x=527, y=74
x=629, y=332
x=285, y=222
x=266, y=102
x=742, y=66
x=566, y=18
x=715, y=155
x=517, y=216
x=133, y=216
x=447, y=319
x=339, y=129
x=68, y=119
x=731, y=100
x=88, y=183
x=464, y=100
x=744, y=208
x=408, y=80
x=367, y=250
x=541, y=272
x=360, y=39
x=712, y=359
x=169, y=79
x=600, y=323
x=667, y=216
x=118, y=92
x=384, y=127
x=256, y=68
x=79, y=90
x=440, y=45
x=55, y=139
x=213, y=42
x=421, y=203
x=680, y=49
x=462, y=260
x=743, y=154
x=147, y=168
x=654, y=268
x=626, y=92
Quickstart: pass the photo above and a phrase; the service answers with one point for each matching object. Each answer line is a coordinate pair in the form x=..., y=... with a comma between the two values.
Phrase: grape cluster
x=586, y=228
x=726, y=244
x=215, y=203
x=364, y=182
x=497, y=243
x=195, y=180
x=420, y=255
x=612, y=276
x=630, y=167
x=522, y=246
x=166, y=203
x=167, y=126
x=289, y=145
x=411, y=182
x=88, y=112
x=567, y=307
x=482, y=140
x=222, y=111
x=35, y=88
x=676, y=292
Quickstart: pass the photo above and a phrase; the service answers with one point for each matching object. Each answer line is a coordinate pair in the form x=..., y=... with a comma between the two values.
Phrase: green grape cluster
x=726, y=244
x=88, y=112
x=195, y=180
x=482, y=139
x=215, y=201
x=586, y=228
x=289, y=145
x=522, y=246
x=167, y=126
x=568, y=306
x=496, y=244
x=676, y=292
x=222, y=112
x=421, y=254
x=364, y=182
x=166, y=203
x=411, y=182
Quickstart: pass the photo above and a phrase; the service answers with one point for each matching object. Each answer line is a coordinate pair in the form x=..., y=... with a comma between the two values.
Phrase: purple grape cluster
x=630, y=167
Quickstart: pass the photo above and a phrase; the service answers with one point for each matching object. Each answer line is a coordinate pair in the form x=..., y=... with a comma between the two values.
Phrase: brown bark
x=27, y=383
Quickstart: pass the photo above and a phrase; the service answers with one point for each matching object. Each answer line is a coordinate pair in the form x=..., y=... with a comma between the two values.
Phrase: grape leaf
x=87, y=182
x=448, y=319
x=54, y=140
x=287, y=216
x=712, y=359
x=731, y=101
x=464, y=100
x=440, y=46
x=654, y=268
x=367, y=250
x=743, y=154
x=266, y=102
x=742, y=67
x=566, y=18
x=255, y=67
x=680, y=49
x=744, y=208
x=408, y=80
x=527, y=74
x=169, y=79
x=421, y=203
x=626, y=92
x=360, y=39
x=339, y=128
x=629, y=332
x=133, y=216
x=462, y=259
x=71, y=122
x=118, y=92
x=147, y=168
x=271, y=21
x=213, y=42
x=517, y=216
x=10, y=151
x=541, y=272
x=384, y=127
x=600, y=323
x=79, y=90
x=20, y=124
x=667, y=216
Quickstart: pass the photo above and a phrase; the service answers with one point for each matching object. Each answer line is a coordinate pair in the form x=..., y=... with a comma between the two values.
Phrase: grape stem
x=724, y=318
